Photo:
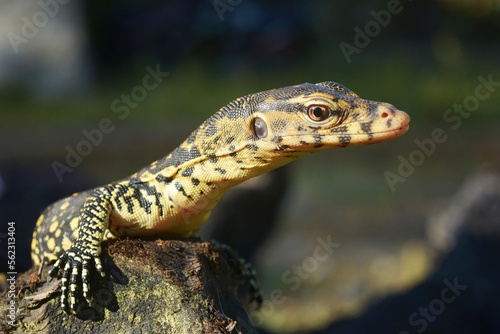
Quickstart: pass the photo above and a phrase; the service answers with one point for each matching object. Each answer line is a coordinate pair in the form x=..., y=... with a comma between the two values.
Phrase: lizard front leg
x=76, y=261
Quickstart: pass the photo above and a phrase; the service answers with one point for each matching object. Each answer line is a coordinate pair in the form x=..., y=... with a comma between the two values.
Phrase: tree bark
x=160, y=286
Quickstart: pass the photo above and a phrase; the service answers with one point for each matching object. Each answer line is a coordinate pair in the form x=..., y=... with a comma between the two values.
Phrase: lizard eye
x=318, y=113
x=259, y=127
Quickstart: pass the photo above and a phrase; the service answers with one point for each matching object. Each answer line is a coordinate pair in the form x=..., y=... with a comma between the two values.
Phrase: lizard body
x=174, y=196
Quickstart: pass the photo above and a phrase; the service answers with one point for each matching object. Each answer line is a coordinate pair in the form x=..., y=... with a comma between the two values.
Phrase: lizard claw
x=75, y=263
x=253, y=284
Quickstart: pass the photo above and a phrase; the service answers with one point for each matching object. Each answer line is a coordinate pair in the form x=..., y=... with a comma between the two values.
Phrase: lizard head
x=326, y=115
x=266, y=130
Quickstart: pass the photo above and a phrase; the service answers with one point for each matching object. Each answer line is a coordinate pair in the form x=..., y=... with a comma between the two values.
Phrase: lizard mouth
x=390, y=123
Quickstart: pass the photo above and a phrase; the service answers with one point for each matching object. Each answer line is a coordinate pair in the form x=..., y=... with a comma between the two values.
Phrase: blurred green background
x=62, y=77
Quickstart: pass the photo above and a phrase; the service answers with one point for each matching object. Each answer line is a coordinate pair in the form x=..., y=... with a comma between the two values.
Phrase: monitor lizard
x=173, y=197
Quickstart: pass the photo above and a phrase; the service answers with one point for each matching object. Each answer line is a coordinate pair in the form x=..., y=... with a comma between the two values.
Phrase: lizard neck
x=196, y=189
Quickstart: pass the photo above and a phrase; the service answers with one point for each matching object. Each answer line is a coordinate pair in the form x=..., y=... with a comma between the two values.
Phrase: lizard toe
x=64, y=287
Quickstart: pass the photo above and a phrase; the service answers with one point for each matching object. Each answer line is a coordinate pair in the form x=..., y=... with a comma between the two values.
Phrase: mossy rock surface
x=160, y=286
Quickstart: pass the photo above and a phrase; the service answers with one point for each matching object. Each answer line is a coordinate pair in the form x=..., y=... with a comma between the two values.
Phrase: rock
x=160, y=286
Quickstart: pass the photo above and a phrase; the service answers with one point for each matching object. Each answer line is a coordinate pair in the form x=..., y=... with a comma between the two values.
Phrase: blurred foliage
x=424, y=89
x=427, y=57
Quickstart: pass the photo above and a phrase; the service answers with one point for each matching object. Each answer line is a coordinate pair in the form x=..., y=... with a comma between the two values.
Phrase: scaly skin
x=174, y=196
